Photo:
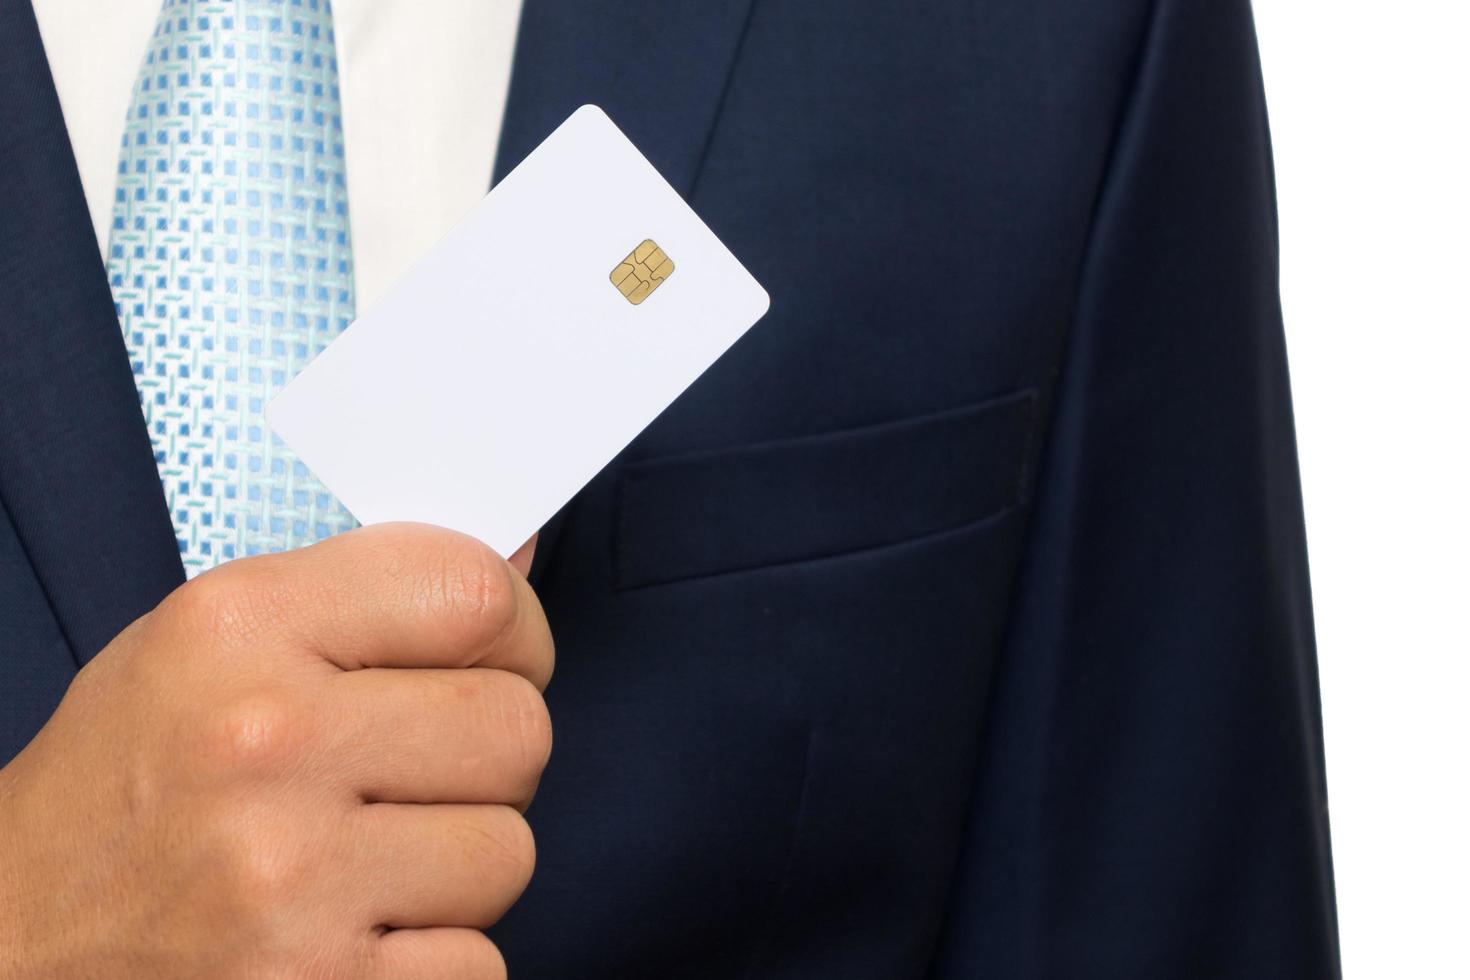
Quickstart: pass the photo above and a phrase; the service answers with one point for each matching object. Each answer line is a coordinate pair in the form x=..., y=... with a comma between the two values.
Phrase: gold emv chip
x=642, y=271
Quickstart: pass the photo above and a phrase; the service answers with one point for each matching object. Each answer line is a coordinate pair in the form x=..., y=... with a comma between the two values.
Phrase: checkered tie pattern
x=230, y=261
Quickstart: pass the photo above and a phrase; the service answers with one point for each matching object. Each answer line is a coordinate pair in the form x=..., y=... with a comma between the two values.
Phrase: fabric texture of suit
x=956, y=623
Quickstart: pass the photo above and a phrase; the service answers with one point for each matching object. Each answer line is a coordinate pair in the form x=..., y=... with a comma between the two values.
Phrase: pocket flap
x=815, y=496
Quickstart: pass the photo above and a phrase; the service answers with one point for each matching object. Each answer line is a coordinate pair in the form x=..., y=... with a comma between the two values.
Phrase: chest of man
x=777, y=611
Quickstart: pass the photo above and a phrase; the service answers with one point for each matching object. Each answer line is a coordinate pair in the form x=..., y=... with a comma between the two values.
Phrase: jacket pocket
x=726, y=510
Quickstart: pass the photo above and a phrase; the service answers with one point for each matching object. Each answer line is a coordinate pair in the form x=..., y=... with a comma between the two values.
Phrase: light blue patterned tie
x=230, y=261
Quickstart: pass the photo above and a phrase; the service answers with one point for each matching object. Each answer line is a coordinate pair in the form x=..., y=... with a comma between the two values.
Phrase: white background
x=1370, y=110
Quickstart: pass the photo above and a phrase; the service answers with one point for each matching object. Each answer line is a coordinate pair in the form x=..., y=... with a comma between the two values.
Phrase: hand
x=247, y=783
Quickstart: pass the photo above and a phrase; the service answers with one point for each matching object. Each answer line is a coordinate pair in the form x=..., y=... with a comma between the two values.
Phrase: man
x=955, y=624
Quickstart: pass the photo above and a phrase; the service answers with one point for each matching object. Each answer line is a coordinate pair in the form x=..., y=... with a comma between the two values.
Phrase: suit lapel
x=76, y=470
x=659, y=69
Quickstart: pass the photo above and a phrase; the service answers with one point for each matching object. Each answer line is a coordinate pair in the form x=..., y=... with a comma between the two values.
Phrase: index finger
x=391, y=595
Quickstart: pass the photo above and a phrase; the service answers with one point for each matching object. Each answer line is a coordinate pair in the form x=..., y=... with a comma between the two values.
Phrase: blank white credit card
x=530, y=345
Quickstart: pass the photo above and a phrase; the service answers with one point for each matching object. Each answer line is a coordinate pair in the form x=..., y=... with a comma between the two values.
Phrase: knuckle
x=265, y=868
x=327, y=961
x=494, y=966
x=264, y=873
x=256, y=731
x=312, y=958
x=471, y=589
x=225, y=602
x=506, y=848
x=544, y=663
x=201, y=600
x=528, y=723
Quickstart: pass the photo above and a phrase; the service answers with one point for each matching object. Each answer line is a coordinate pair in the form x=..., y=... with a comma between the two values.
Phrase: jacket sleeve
x=1151, y=799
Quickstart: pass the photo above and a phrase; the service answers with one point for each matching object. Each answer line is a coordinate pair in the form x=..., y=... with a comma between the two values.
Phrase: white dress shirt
x=412, y=171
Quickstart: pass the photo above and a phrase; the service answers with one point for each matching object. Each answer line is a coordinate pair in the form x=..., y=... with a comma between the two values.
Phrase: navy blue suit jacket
x=956, y=623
